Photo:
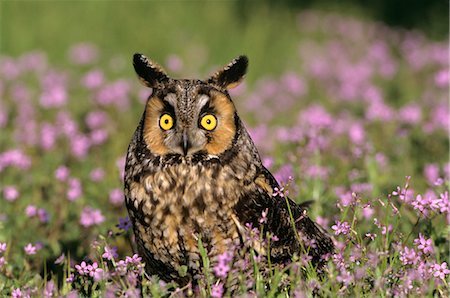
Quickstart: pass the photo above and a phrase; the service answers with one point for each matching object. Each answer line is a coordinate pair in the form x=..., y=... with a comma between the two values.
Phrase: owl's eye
x=208, y=122
x=166, y=122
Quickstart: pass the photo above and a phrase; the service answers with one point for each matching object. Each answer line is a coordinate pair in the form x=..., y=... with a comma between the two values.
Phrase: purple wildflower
x=83, y=53
x=10, y=193
x=79, y=145
x=408, y=256
x=367, y=211
x=110, y=253
x=133, y=260
x=96, y=272
x=62, y=173
x=30, y=249
x=15, y=158
x=278, y=192
x=217, y=290
x=49, y=289
x=423, y=244
x=345, y=277
x=2, y=247
x=116, y=197
x=124, y=223
x=263, y=218
x=83, y=268
x=31, y=211
x=93, y=79
x=440, y=271
x=222, y=267
x=341, y=227
x=90, y=217
x=97, y=174
x=43, y=215
x=121, y=268
x=74, y=191
x=431, y=172
x=16, y=293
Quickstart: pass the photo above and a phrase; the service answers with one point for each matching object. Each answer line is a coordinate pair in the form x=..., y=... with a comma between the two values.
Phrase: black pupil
x=166, y=121
x=208, y=121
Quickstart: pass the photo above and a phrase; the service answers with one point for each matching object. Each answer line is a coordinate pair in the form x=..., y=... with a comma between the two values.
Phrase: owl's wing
x=281, y=212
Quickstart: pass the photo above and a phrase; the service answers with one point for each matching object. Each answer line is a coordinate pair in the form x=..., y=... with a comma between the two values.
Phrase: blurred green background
x=215, y=30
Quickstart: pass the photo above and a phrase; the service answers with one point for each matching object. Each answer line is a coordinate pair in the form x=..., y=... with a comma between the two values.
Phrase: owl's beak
x=186, y=144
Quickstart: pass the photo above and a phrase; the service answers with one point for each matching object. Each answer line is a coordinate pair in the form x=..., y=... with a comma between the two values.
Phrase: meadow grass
x=349, y=113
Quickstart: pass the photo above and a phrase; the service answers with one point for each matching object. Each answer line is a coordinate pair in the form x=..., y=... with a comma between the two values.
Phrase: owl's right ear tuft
x=150, y=73
x=231, y=75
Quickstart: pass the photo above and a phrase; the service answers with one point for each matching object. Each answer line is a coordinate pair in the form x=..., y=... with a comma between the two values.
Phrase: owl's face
x=189, y=116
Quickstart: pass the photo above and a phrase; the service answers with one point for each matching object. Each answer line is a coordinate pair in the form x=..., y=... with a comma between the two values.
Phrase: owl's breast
x=179, y=203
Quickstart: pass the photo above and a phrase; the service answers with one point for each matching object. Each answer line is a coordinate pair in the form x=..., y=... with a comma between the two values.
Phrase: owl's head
x=189, y=116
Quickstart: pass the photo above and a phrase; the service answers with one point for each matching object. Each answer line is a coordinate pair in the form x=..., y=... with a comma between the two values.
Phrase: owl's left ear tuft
x=231, y=75
x=150, y=73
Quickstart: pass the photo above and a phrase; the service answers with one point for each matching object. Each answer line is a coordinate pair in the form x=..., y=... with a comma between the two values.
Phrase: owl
x=193, y=172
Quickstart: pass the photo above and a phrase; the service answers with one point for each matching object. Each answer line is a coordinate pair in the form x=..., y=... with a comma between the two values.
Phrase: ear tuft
x=150, y=73
x=231, y=75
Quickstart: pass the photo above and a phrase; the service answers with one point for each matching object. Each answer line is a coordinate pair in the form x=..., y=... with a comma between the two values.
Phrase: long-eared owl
x=193, y=171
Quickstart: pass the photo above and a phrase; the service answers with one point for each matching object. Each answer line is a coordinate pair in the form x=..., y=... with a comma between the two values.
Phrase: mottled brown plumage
x=193, y=171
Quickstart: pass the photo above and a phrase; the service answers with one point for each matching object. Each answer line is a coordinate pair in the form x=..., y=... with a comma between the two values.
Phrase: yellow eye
x=208, y=122
x=166, y=122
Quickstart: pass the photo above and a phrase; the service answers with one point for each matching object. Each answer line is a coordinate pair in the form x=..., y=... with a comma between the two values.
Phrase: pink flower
x=441, y=78
x=110, y=253
x=408, y=256
x=341, y=227
x=116, y=196
x=62, y=173
x=222, y=267
x=49, y=289
x=97, y=174
x=357, y=134
x=48, y=136
x=30, y=249
x=90, y=217
x=423, y=244
x=217, y=290
x=440, y=271
x=83, y=53
x=43, y=215
x=2, y=247
x=294, y=84
x=133, y=260
x=278, y=192
x=263, y=218
x=431, y=172
x=10, y=193
x=96, y=119
x=31, y=211
x=98, y=136
x=83, y=268
x=367, y=211
x=16, y=293
x=93, y=79
x=80, y=145
x=347, y=199
x=74, y=191
x=410, y=114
